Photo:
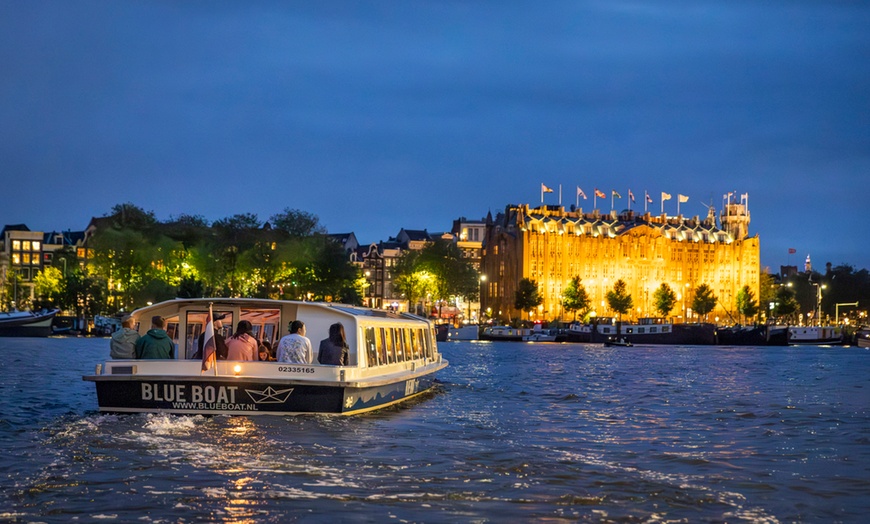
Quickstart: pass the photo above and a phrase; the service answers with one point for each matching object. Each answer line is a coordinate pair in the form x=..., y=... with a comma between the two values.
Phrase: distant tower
x=735, y=217
x=808, y=266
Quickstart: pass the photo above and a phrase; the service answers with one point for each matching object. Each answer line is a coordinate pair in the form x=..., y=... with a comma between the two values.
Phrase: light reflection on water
x=515, y=431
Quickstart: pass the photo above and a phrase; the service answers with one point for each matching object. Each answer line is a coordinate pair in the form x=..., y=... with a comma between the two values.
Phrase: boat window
x=629, y=330
x=397, y=339
x=390, y=336
x=371, y=347
x=405, y=335
x=418, y=347
x=641, y=330
x=653, y=330
x=382, y=356
x=196, y=326
x=402, y=346
x=605, y=330
x=665, y=329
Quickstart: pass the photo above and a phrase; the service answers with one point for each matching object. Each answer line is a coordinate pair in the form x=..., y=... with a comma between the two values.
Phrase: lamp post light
x=480, y=300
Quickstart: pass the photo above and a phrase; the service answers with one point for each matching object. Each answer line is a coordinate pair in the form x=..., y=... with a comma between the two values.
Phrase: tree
x=664, y=299
x=575, y=298
x=409, y=280
x=746, y=303
x=48, y=286
x=785, y=303
x=297, y=223
x=527, y=296
x=619, y=299
x=704, y=300
x=128, y=216
x=766, y=289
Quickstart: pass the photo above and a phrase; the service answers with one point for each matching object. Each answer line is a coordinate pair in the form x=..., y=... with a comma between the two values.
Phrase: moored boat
x=862, y=337
x=504, y=333
x=449, y=332
x=26, y=323
x=814, y=335
x=578, y=332
x=392, y=357
x=655, y=330
x=762, y=335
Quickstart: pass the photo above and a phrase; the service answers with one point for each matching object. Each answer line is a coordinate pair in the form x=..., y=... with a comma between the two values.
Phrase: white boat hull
x=815, y=335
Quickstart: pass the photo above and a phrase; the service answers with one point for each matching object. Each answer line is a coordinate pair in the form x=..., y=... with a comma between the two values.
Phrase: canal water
x=514, y=432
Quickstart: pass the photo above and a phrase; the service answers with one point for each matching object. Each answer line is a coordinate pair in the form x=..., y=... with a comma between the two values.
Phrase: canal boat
x=504, y=333
x=392, y=357
x=654, y=330
x=862, y=337
x=450, y=333
x=761, y=335
x=614, y=342
x=815, y=335
x=26, y=323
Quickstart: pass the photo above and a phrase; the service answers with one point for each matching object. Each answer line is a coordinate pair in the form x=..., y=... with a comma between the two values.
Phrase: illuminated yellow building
x=550, y=246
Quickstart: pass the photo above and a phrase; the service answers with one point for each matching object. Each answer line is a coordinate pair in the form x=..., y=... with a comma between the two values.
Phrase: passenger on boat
x=242, y=345
x=296, y=347
x=156, y=342
x=220, y=343
x=123, y=343
x=333, y=350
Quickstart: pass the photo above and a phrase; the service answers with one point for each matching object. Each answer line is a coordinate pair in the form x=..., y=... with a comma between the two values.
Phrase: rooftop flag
x=665, y=196
x=648, y=198
x=615, y=194
x=209, y=353
x=600, y=194
x=580, y=193
x=630, y=195
x=683, y=199
x=792, y=251
x=546, y=189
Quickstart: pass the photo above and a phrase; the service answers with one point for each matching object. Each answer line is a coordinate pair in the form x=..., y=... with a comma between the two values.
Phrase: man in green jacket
x=156, y=343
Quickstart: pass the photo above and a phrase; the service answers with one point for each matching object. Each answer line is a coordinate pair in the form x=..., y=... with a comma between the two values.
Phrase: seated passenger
x=242, y=345
x=333, y=350
x=295, y=347
x=123, y=343
x=264, y=354
x=156, y=342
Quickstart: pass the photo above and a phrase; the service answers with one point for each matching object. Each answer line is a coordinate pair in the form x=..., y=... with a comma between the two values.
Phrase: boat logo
x=269, y=395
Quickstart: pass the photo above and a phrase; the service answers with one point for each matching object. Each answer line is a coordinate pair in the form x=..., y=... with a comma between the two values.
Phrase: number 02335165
x=295, y=369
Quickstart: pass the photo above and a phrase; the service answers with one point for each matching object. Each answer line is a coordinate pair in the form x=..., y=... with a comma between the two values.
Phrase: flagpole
x=542, y=194
x=611, y=200
x=595, y=200
x=645, y=200
x=560, y=194
x=629, y=199
x=577, y=203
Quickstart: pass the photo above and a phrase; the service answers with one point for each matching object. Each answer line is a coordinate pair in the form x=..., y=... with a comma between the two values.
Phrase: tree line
x=133, y=259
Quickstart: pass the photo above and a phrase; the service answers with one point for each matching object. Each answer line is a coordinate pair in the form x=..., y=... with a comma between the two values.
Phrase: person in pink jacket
x=242, y=345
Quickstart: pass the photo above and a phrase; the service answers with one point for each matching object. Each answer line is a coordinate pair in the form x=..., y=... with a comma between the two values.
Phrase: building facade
x=551, y=245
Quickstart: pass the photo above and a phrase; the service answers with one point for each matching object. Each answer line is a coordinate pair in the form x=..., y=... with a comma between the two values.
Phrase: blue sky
x=381, y=115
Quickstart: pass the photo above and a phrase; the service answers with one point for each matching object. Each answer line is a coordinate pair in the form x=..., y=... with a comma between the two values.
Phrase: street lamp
x=480, y=300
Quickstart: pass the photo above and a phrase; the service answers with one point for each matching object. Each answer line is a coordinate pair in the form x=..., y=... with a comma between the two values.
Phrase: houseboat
x=653, y=330
x=815, y=335
x=392, y=357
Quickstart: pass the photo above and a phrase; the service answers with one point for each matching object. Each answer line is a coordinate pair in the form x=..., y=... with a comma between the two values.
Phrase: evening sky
x=379, y=116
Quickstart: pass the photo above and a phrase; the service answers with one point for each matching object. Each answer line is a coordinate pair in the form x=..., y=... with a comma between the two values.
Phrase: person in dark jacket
x=333, y=350
x=156, y=343
x=219, y=342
